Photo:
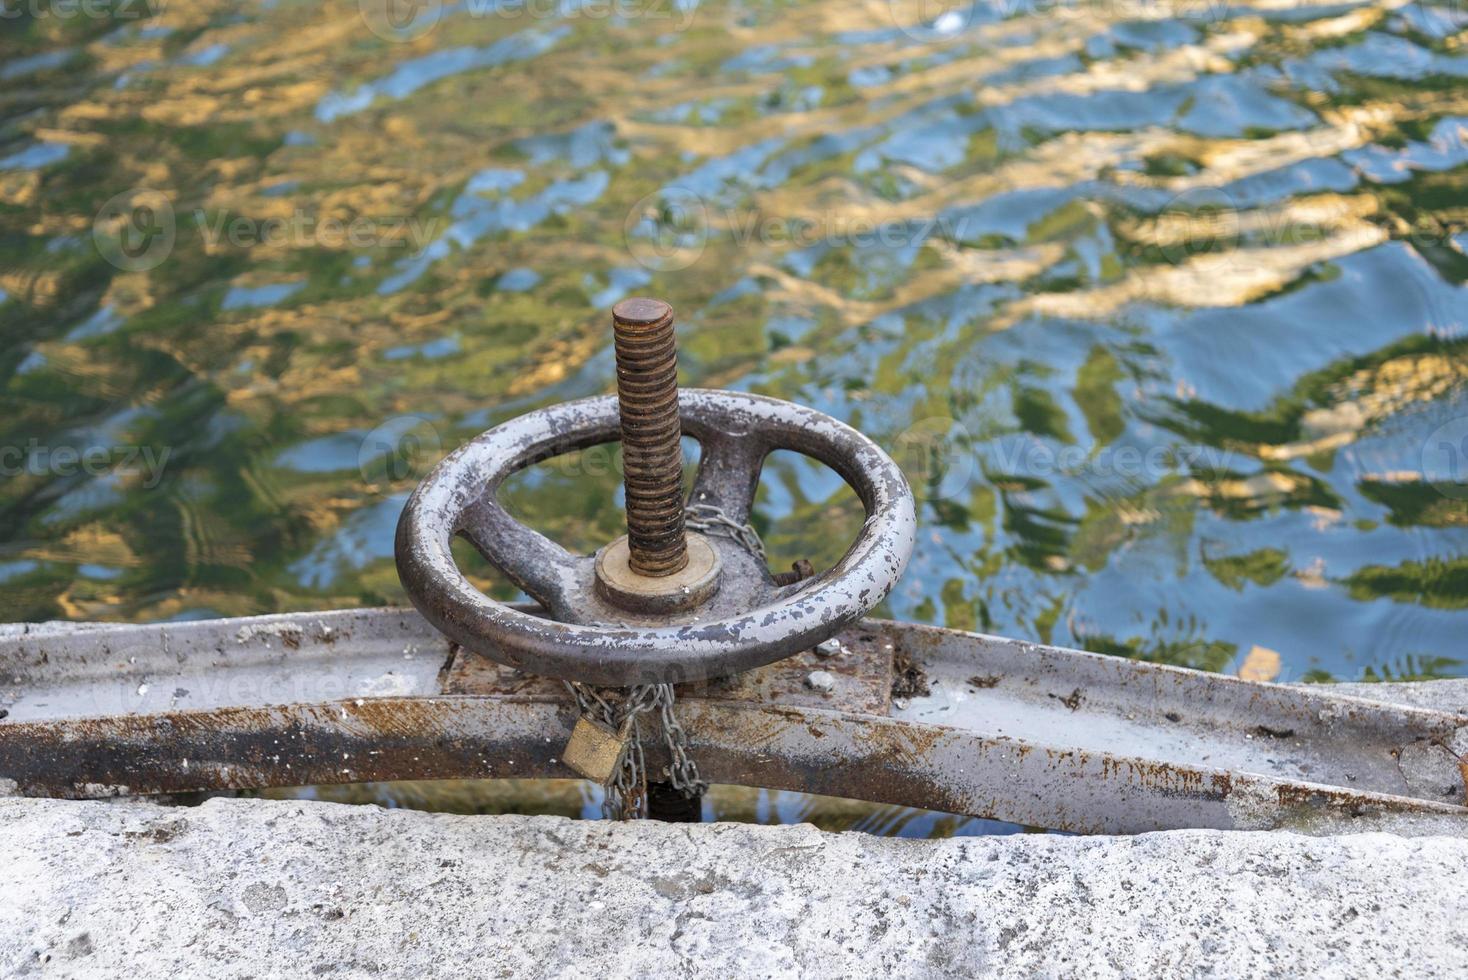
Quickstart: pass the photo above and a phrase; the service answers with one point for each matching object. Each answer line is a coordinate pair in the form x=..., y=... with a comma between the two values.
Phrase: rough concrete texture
x=238, y=888
x=1447, y=695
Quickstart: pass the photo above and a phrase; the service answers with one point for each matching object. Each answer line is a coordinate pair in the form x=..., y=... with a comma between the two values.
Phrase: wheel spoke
x=541, y=568
x=728, y=474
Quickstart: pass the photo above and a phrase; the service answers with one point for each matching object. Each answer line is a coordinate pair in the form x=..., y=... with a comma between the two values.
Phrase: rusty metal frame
x=983, y=726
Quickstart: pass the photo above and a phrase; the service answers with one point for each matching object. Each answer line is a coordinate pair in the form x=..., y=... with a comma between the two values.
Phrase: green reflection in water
x=1161, y=309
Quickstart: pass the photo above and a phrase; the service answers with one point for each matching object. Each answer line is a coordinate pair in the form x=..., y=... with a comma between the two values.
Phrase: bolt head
x=641, y=311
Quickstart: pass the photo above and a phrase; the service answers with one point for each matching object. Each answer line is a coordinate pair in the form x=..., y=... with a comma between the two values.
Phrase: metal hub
x=690, y=586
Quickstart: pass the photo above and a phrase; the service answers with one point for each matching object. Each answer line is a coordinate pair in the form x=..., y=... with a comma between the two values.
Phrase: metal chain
x=625, y=792
x=711, y=520
x=682, y=771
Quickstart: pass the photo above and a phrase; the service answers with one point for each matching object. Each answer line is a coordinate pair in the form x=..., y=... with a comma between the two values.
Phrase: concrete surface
x=238, y=888
x=1445, y=695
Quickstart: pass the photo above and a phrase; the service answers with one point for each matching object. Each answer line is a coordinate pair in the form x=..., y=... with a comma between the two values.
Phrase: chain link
x=625, y=792
x=711, y=520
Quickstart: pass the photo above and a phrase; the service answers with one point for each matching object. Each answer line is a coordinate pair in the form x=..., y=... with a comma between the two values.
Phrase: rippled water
x=1159, y=304
x=582, y=800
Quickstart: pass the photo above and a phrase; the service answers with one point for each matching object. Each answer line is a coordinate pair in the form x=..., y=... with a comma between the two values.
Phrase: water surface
x=1160, y=304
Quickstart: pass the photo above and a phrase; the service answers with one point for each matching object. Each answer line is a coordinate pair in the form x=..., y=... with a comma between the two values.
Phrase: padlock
x=595, y=749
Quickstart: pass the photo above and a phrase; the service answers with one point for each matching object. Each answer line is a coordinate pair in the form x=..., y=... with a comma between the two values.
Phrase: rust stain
x=777, y=746
x=908, y=678
x=1297, y=797
x=1071, y=700
x=862, y=671
x=1168, y=780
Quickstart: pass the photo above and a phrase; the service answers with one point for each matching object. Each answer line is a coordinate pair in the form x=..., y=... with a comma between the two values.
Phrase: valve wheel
x=589, y=631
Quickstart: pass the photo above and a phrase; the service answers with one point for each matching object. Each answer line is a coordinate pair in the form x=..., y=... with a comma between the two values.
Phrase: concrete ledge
x=1444, y=695
x=238, y=888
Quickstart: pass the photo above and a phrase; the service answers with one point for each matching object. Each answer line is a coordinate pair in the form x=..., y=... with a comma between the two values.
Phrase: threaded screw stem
x=652, y=454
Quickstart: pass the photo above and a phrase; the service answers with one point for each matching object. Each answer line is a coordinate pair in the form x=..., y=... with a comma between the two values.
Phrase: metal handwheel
x=720, y=613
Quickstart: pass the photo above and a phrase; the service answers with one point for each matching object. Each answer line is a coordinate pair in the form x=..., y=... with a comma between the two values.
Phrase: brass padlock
x=596, y=749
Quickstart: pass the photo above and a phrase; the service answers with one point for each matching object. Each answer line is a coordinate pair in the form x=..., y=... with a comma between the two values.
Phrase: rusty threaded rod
x=652, y=455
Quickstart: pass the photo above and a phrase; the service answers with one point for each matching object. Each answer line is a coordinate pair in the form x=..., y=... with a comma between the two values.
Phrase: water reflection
x=1161, y=304
x=582, y=800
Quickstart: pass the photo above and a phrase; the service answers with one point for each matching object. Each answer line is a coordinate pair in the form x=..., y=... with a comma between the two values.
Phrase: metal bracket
x=984, y=726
